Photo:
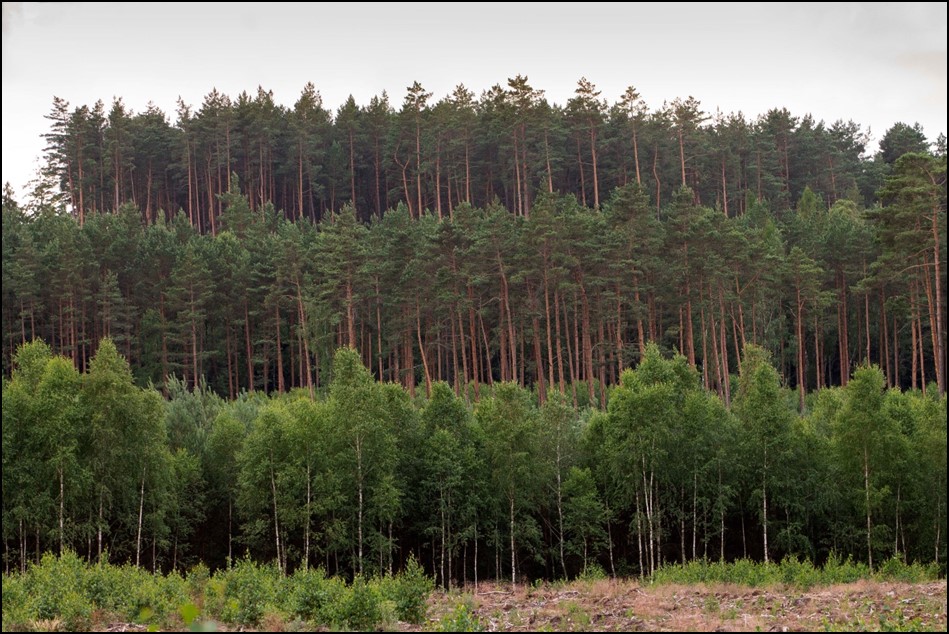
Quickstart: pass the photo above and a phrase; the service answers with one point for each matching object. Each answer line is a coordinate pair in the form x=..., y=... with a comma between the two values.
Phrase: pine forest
x=499, y=336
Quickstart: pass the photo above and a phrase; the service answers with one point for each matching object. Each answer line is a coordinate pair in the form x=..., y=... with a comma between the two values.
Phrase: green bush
x=55, y=591
x=409, y=592
x=15, y=596
x=65, y=592
x=214, y=601
x=313, y=597
x=792, y=571
x=160, y=597
x=802, y=574
x=108, y=587
x=895, y=569
x=837, y=571
x=198, y=578
x=593, y=572
x=249, y=589
x=359, y=607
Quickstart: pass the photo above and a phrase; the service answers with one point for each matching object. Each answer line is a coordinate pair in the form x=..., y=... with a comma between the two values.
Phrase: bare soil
x=624, y=606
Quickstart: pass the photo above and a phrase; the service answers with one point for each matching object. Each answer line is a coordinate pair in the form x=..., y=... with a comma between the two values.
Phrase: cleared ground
x=629, y=606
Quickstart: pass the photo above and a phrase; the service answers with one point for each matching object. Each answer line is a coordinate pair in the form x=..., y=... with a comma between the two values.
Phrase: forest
x=513, y=338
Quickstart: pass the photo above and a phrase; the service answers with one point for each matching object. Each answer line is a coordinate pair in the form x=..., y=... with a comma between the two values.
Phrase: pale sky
x=874, y=63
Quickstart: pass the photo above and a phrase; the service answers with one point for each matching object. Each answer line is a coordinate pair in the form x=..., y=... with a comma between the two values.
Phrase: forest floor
x=629, y=606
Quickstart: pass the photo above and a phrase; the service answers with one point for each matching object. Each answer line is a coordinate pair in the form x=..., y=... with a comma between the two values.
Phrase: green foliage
x=69, y=590
x=16, y=608
x=521, y=313
x=55, y=591
x=895, y=569
x=592, y=572
x=409, y=590
x=359, y=608
x=244, y=593
x=584, y=516
x=792, y=572
x=313, y=596
x=462, y=619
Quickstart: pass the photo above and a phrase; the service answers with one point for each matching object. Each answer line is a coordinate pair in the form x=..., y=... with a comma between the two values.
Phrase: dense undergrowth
x=66, y=593
x=794, y=572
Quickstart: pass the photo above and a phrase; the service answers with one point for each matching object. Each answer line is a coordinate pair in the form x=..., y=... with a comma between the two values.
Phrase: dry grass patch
x=606, y=605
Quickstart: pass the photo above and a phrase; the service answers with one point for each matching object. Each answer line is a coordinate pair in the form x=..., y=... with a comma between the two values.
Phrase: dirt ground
x=617, y=606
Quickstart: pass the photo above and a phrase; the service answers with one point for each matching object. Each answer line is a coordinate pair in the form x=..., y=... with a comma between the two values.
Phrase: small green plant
x=593, y=572
x=732, y=612
x=55, y=591
x=577, y=617
x=899, y=623
x=189, y=613
x=514, y=618
x=895, y=569
x=711, y=605
x=462, y=619
x=197, y=578
x=14, y=602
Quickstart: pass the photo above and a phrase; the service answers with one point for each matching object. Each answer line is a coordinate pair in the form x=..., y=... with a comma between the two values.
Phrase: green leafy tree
x=560, y=436
x=263, y=487
x=508, y=422
x=764, y=416
x=224, y=446
x=583, y=514
x=866, y=436
x=126, y=440
x=363, y=442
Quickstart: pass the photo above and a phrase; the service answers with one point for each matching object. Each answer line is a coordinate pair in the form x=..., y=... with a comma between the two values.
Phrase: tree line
x=563, y=298
x=363, y=476
x=509, y=143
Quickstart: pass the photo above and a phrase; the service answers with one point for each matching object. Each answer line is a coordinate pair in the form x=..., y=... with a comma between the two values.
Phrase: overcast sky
x=874, y=63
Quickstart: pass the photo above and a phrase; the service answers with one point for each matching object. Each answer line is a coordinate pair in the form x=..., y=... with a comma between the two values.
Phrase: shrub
x=358, y=608
x=248, y=590
x=593, y=572
x=15, y=609
x=895, y=569
x=55, y=591
x=409, y=592
x=313, y=597
x=792, y=571
x=198, y=578
x=837, y=571
x=799, y=573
